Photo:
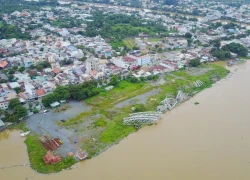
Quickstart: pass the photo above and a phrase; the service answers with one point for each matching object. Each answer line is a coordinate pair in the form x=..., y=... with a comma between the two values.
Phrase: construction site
x=55, y=139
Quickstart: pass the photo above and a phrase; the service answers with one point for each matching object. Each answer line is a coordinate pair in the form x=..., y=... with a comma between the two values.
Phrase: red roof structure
x=51, y=144
x=56, y=70
x=3, y=64
x=49, y=158
x=129, y=59
x=40, y=92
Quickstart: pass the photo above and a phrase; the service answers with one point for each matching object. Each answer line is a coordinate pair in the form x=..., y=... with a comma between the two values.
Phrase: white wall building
x=143, y=60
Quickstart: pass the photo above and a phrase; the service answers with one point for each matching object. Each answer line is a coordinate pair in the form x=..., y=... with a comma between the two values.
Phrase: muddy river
x=192, y=142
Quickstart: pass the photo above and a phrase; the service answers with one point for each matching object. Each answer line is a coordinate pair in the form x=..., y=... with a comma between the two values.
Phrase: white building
x=30, y=89
x=143, y=60
x=92, y=64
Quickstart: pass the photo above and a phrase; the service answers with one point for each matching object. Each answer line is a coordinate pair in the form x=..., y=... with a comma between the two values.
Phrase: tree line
x=225, y=51
x=116, y=27
x=15, y=112
x=76, y=92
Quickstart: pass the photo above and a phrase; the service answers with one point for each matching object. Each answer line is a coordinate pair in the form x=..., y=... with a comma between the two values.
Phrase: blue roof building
x=232, y=31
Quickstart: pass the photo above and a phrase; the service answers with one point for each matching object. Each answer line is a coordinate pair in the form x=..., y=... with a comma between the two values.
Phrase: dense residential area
x=62, y=45
x=93, y=58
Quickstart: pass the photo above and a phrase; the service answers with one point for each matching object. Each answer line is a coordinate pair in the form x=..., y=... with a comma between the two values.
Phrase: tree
x=220, y=54
x=194, y=62
x=188, y=35
x=30, y=105
x=83, y=59
x=196, y=12
x=216, y=43
x=171, y=2
x=237, y=48
x=14, y=103
x=62, y=92
x=11, y=71
x=113, y=80
x=48, y=99
x=123, y=53
x=17, y=89
x=20, y=111
x=21, y=69
x=10, y=118
x=133, y=79
x=15, y=68
x=189, y=40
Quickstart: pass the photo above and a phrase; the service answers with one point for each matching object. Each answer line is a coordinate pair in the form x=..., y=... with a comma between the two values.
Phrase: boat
x=24, y=134
x=81, y=154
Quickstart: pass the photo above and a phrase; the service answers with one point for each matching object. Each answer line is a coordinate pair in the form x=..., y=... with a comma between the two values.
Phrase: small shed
x=54, y=104
x=109, y=88
x=1, y=124
x=63, y=101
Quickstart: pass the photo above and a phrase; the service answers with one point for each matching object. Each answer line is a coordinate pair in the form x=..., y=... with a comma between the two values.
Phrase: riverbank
x=193, y=142
x=102, y=126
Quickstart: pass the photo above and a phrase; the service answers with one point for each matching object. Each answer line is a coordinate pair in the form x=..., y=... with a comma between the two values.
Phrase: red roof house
x=40, y=92
x=3, y=64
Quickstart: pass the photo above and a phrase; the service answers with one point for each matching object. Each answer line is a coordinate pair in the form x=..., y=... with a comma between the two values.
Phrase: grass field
x=123, y=91
x=130, y=43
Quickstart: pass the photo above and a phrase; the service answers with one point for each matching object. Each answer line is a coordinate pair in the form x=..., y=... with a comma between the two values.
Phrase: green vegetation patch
x=123, y=91
x=154, y=39
x=21, y=126
x=116, y=131
x=130, y=43
x=74, y=121
x=101, y=122
x=8, y=31
x=36, y=153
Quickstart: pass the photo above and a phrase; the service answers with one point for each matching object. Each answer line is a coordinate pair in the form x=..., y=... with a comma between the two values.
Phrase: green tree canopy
x=194, y=62
x=62, y=92
x=14, y=103
x=20, y=111
x=237, y=48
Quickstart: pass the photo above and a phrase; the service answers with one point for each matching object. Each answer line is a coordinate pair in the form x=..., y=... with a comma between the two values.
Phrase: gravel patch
x=198, y=71
x=46, y=124
x=142, y=98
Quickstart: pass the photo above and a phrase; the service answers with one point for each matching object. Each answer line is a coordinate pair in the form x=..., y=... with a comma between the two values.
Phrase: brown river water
x=209, y=141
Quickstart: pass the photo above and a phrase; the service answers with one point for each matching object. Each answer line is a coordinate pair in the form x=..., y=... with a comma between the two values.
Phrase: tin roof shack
x=54, y=104
x=1, y=124
x=109, y=88
x=81, y=154
x=49, y=158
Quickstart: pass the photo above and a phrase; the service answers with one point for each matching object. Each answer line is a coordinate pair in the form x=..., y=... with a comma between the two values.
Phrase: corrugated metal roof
x=1, y=123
